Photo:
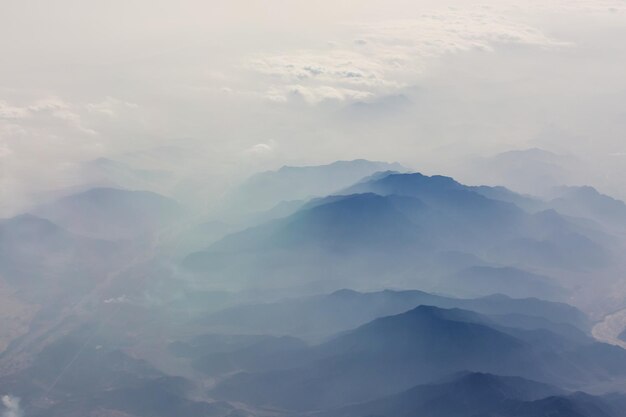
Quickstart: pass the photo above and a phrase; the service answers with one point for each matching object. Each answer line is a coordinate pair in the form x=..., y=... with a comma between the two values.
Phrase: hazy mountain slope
x=335, y=243
x=532, y=171
x=264, y=190
x=483, y=280
x=524, y=201
x=489, y=218
x=122, y=174
x=156, y=398
x=589, y=203
x=479, y=394
x=394, y=234
x=43, y=260
x=111, y=213
x=391, y=354
x=219, y=354
x=322, y=315
x=468, y=394
x=380, y=358
x=82, y=373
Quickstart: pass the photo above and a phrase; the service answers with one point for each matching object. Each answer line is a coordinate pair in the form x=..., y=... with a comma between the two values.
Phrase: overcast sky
x=249, y=85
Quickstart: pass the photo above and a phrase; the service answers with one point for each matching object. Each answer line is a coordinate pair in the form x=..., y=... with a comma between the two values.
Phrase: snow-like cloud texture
x=11, y=406
x=249, y=84
x=385, y=57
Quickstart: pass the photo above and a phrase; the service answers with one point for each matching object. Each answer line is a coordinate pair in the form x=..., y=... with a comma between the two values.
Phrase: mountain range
x=354, y=289
x=394, y=229
x=393, y=353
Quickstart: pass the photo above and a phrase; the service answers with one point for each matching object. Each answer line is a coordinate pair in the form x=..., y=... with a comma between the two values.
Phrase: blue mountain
x=481, y=394
x=111, y=213
x=391, y=354
x=397, y=230
x=265, y=190
x=320, y=316
x=587, y=202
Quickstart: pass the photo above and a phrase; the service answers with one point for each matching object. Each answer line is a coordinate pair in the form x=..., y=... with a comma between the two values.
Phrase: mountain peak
x=29, y=222
x=345, y=293
x=411, y=184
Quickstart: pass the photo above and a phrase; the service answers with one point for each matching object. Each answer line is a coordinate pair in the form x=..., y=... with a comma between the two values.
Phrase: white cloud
x=40, y=143
x=315, y=94
x=382, y=58
x=117, y=300
x=342, y=66
x=110, y=106
x=43, y=113
x=477, y=77
x=9, y=112
x=597, y=7
x=11, y=406
x=261, y=148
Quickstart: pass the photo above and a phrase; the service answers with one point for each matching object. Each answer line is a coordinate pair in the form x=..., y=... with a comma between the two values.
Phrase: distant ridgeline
x=354, y=289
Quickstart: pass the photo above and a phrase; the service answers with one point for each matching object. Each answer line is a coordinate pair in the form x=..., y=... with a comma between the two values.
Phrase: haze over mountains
x=395, y=228
x=287, y=208
x=111, y=213
x=349, y=289
x=472, y=394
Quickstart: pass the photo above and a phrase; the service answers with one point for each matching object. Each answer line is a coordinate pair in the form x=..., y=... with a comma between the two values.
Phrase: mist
x=251, y=86
x=12, y=406
x=276, y=208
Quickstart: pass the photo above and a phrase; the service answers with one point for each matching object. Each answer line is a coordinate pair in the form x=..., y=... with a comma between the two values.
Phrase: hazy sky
x=248, y=85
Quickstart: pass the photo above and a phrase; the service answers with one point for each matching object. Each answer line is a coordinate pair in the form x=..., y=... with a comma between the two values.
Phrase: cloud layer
x=254, y=85
x=385, y=57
